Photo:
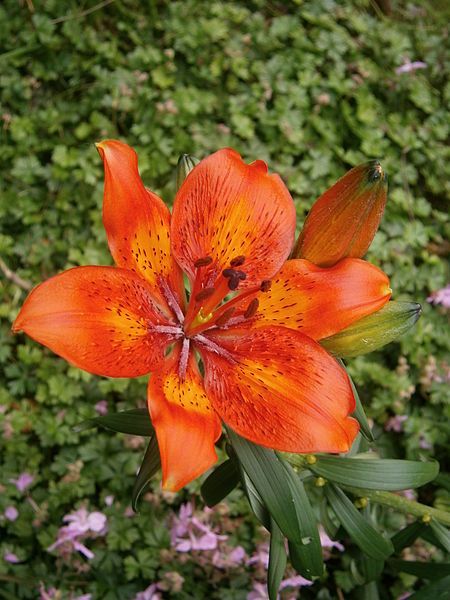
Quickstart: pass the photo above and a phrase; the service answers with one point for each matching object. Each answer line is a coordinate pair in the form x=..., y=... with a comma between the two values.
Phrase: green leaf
x=135, y=422
x=370, y=568
x=438, y=590
x=359, y=413
x=283, y=496
x=150, y=465
x=308, y=554
x=426, y=570
x=255, y=501
x=370, y=591
x=220, y=482
x=441, y=533
x=359, y=529
x=375, y=474
x=277, y=560
x=408, y=535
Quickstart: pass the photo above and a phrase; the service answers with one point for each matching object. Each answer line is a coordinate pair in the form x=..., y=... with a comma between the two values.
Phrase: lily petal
x=280, y=389
x=137, y=222
x=319, y=302
x=185, y=422
x=227, y=209
x=100, y=319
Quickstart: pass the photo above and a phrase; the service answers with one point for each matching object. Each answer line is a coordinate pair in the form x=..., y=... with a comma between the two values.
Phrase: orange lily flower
x=243, y=346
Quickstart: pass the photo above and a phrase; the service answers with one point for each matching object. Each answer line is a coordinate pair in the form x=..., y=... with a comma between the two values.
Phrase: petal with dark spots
x=100, y=319
x=319, y=302
x=232, y=212
x=137, y=221
x=280, y=389
x=186, y=424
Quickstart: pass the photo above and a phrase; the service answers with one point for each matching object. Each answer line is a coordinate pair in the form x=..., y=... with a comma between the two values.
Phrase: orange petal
x=185, y=423
x=343, y=221
x=319, y=302
x=101, y=319
x=137, y=222
x=280, y=389
x=227, y=209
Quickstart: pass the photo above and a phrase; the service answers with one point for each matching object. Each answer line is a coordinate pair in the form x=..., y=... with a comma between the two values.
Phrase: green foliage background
x=311, y=88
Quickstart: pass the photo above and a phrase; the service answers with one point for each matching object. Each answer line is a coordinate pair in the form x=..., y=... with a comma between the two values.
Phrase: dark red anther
x=233, y=283
x=238, y=261
x=228, y=273
x=251, y=308
x=203, y=262
x=265, y=285
x=241, y=275
x=223, y=319
x=204, y=294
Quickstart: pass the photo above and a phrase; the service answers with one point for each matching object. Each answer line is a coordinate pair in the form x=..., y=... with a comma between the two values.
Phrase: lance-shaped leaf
x=277, y=560
x=282, y=493
x=408, y=535
x=437, y=590
x=220, y=482
x=150, y=465
x=186, y=163
x=373, y=332
x=135, y=422
x=442, y=534
x=427, y=570
x=375, y=474
x=359, y=412
x=343, y=221
x=359, y=529
x=254, y=499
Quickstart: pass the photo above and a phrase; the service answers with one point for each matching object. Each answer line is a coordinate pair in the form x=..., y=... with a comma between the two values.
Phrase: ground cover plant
x=313, y=88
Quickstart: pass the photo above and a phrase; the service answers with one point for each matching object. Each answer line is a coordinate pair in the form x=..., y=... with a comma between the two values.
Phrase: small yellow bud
x=361, y=502
x=426, y=519
x=311, y=459
x=320, y=482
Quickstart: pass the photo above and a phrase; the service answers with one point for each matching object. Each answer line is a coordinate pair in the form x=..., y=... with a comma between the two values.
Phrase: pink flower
x=327, y=542
x=409, y=67
x=11, y=513
x=261, y=556
x=23, y=481
x=395, y=423
x=109, y=500
x=102, y=407
x=228, y=558
x=189, y=533
x=149, y=593
x=81, y=524
x=11, y=557
x=441, y=297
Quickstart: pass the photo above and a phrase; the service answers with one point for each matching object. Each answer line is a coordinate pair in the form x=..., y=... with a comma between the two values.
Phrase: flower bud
x=373, y=332
x=343, y=221
x=185, y=164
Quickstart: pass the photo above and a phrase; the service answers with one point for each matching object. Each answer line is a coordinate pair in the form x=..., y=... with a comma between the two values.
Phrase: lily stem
x=400, y=503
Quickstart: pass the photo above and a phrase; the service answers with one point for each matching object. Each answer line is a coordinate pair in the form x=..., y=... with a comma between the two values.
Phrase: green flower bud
x=186, y=163
x=373, y=332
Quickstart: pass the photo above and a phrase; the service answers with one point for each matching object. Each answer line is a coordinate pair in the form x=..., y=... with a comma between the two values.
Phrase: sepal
x=374, y=331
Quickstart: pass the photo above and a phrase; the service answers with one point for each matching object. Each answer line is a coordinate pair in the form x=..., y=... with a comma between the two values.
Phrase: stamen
x=204, y=294
x=251, y=308
x=184, y=357
x=238, y=261
x=210, y=345
x=170, y=298
x=265, y=285
x=203, y=262
x=170, y=329
x=233, y=283
x=222, y=320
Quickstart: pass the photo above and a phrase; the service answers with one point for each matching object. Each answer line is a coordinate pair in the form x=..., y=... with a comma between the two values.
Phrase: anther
x=265, y=285
x=223, y=319
x=251, y=308
x=203, y=262
x=233, y=283
x=204, y=294
x=228, y=273
x=238, y=261
x=241, y=275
